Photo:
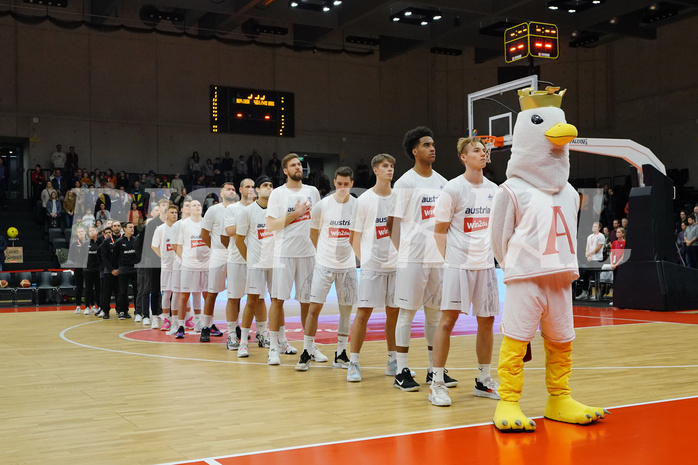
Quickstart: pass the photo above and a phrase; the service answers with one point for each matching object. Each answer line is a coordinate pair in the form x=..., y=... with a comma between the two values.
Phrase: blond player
x=163, y=246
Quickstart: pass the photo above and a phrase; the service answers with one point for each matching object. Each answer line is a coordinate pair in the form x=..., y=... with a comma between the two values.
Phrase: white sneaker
x=173, y=330
x=155, y=324
x=99, y=314
x=233, y=342
x=273, y=357
x=354, y=373
x=318, y=356
x=288, y=349
x=391, y=369
x=138, y=318
x=95, y=309
x=582, y=296
x=438, y=394
x=242, y=351
x=78, y=311
x=487, y=388
x=87, y=311
x=197, y=326
x=146, y=321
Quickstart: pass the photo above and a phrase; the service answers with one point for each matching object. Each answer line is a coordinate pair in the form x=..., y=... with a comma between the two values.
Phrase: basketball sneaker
x=189, y=323
x=155, y=323
x=78, y=311
x=405, y=382
x=215, y=332
x=146, y=321
x=242, y=351
x=179, y=334
x=139, y=318
x=304, y=362
x=288, y=349
x=165, y=325
x=197, y=326
x=354, y=373
x=87, y=311
x=341, y=360
x=173, y=330
x=391, y=369
x=122, y=316
x=438, y=394
x=450, y=382
x=273, y=357
x=318, y=356
x=488, y=388
x=205, y=335
x=233, y=342
x=263, y=340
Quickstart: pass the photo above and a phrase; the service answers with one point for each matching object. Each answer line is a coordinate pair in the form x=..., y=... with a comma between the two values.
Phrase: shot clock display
x=252, y=111
x=539, y=40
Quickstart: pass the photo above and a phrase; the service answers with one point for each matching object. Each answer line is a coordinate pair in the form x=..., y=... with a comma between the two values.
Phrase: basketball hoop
x=492, y=141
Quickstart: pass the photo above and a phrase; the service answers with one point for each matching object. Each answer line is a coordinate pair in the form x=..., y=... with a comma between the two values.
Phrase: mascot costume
x=534, y=234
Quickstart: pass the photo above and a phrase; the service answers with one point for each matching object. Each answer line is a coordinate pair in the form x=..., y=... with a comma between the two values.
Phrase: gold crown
x=530, y=98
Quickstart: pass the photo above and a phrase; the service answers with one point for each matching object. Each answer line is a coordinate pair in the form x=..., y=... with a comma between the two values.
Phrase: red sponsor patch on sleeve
x=476, y=224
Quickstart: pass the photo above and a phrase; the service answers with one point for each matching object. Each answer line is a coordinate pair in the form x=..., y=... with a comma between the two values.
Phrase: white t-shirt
x=593, y=241
x=195, y=254
x=252, y=223
x=175, y=237
x=371, y=220
x=162, y=238
x=415, y=199
x=214, y=223
x=232, y=213
x=467, y=207
x=333, y=221
x=294, y=239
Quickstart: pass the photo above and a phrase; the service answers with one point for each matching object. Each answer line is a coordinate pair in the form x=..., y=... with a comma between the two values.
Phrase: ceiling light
x=408, y=13
x=314, y=5
x=552, y=7
x=337, y=2
x=571, y=10
x=437, y=17
x=416, y=16
x=294, y=4
x=396, y=19
x=325, y=8
x=574, y=6
x=613, y=20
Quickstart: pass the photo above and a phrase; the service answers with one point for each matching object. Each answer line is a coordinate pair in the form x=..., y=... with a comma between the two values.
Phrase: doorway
x=12, y=155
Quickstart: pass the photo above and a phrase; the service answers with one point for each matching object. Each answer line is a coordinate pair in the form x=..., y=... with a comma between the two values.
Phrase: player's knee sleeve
x=176, y=301
x=403, y=328
x=166, y=297
x=344, y=319
x=431, y=322
x=196, y=300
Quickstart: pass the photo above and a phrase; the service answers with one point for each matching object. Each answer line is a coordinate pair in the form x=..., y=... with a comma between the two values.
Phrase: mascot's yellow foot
x=508, y=418
x=564, y=408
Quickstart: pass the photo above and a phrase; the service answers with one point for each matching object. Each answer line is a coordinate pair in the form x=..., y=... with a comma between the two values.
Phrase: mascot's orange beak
x=561, y=134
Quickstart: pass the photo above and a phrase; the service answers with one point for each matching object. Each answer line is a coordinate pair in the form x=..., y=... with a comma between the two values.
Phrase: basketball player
x=370, y=240
x=163, y=246
x=334, y=262
x=420, y=265
x=462, y=234
x=288, y=217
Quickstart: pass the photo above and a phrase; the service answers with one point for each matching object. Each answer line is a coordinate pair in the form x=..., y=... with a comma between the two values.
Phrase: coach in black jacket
x=109, y=268
x=126, y=257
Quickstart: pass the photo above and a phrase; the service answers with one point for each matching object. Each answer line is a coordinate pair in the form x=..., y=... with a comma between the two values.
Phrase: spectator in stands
x=617, y=250
x=140, y=197
x=254, y=165
x=273, y=168
x=122, y=181
x=624, y=225
x=100, y=225
x=683, y=214
x=695, y=212
x=46, y=194
x=103, y=198
x=681, y=245
x=59, y=181
x=227, y=167
x=86, y=179
x=109, y=179
x=71, y=161
x=195, y=166
x=176, y=184
x=240, y=170
x=3, y=183
x=690, y=237
x=54, y=211
x=69, y=208
x=612, y=234
x=134, y=214
x=151, y=179
x=199, y=183
x=103, y=214
x=88, y=220
x=38, y=179
x=178, y=197
x=208, y=171
x=58, y=158
x=96, y=178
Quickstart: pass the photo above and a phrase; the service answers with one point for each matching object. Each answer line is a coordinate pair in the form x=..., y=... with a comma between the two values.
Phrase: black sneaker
x=405, y=382
x=448, y=381
x=121, y=316
x=127, y=316
x=180, y=333
x=304, y=362
x=205, y=335
x=105, y=316
x=341, y=360
x=215, y=331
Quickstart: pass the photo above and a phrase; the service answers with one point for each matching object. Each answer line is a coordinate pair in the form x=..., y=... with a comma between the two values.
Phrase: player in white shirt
x=463, y=236
x=593, y=253
x=176, y=278
x=371, y=242
x=237, y=267
x=163, y=246
x=195, y=259
x=420, y=265
x=288, y=217
x=334, y=262
x=255, y=244
x=214, y=236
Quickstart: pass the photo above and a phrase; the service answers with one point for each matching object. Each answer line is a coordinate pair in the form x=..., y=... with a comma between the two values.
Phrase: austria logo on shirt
x=197, y=243
x=339, y=233
x=263, y=234
x=304, y=217
x=476, y=224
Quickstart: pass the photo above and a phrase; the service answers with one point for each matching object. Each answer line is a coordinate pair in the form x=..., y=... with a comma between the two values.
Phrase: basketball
x=12, y=232
x=3, y=283
x=25, y=283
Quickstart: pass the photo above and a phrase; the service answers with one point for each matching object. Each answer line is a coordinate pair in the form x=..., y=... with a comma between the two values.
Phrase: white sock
x=438, y=375
x=282, y=335
x=274, y=336
x=401, y=362
x=175, y=322
x=243, y=335
x=231, y=326
x=431, y=360
x=342, y=343
x=309, y=343
x=354, y=358
x=206, y=321
x=392, y=355
x=483, y=372
x=261, y=327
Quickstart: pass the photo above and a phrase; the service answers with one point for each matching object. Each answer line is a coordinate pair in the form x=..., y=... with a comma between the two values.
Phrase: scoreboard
x=539, y=40
x=252, y=111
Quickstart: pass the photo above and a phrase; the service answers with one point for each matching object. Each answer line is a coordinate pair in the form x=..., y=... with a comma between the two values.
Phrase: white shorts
x=345, y=283
x=176, y=280
x=376, y=289
x=193, y=280
x=165, y=280
x=216, y=278
x=544, y=300
x=237, y=280
x=461, y=287
x=418, y=285
x=287, y=271
x=259, y=281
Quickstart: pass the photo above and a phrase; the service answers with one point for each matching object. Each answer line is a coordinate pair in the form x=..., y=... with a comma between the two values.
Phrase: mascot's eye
x=536, y=119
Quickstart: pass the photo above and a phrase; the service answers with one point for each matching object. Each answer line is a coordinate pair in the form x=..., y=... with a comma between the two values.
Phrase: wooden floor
x=78, y=390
